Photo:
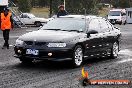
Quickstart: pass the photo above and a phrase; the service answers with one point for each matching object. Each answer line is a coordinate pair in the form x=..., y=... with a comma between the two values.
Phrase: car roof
x=88, y=17
x=123, y=10
x=79, y=16
x=72, y=16
x=27, y=13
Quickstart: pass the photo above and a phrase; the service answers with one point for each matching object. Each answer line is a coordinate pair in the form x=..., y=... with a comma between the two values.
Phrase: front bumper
x=114, y=21
x=57, y=54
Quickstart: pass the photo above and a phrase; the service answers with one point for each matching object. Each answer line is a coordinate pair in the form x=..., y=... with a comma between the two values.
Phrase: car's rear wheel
x=38, y=24
x=115, y=50
x=77, y=56
x=25, y=60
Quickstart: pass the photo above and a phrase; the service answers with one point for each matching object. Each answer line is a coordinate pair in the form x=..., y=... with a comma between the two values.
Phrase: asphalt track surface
x=48, y=74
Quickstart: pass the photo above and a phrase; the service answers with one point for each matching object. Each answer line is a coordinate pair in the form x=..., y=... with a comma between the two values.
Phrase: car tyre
x=125, y=23
x=120, y=23
x=77, y=56
x=38, y=24
x=115, y=50
x=26, y=60
x=113, y=23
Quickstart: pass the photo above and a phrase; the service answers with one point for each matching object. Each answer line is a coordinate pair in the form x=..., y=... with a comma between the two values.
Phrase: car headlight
x=19, y=42
x=56, y=45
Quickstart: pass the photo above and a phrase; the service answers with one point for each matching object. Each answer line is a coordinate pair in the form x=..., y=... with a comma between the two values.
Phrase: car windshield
x=65, y=24
x=114, y=13
x=31, y=15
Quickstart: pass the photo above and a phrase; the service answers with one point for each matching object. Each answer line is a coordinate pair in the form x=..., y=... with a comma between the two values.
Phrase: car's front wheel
x=115, y=50
x=77, y=56
x=38, y=24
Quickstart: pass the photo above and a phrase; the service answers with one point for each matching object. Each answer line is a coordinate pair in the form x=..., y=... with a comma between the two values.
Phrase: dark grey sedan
x=67, y=38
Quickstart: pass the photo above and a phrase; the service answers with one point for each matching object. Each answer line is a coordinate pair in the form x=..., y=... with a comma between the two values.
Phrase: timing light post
x=64, y=4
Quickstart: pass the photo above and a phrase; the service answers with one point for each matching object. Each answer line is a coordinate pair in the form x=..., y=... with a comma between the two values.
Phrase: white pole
x=64, y=4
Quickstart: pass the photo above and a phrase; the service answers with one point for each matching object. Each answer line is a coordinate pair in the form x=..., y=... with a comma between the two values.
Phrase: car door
x=25, y=19
x=94, y=41
x=107, y=35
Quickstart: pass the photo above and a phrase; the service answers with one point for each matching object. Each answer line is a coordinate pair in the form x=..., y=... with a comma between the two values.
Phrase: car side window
x=94, y=25
x=104, y=26
x=24, y=16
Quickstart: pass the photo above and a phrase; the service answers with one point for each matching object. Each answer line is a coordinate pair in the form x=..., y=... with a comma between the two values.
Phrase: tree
x=72, y=6
x=77, y=6
x=24, y=5
x=121, y=3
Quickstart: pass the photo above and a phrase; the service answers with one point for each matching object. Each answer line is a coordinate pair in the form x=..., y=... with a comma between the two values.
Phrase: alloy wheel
x=78, y=56
x=115, y=49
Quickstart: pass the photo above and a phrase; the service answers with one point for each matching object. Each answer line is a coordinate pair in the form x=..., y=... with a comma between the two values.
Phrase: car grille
x=35, y=43
x=40, y=43
x=113, y=19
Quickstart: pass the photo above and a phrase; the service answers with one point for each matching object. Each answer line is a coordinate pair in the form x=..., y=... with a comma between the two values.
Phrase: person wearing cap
x=6, y=26
x=62, y=11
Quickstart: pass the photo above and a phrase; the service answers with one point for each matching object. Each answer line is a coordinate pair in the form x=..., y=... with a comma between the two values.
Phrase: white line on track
x=128, y=53
x=9, y=45
x=10, y=37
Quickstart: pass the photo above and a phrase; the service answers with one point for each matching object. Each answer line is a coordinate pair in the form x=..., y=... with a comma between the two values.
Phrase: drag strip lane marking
x=125, y=52
x=125, y=60
x=10, y=36
x=9, y=45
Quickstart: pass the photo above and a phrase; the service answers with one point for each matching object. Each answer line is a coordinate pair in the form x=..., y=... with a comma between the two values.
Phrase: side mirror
x=92, y=32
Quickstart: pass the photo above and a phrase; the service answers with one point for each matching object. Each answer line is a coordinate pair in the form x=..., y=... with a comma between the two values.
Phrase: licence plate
x=32, y=52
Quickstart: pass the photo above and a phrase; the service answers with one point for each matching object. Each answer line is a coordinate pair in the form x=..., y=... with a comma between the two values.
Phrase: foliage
x=121, y=3
x=24, y=5
x=78, y=6
x=72, y=6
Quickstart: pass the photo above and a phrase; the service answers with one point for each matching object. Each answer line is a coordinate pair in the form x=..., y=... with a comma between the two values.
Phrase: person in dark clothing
x=6, y=25
x=62, y=11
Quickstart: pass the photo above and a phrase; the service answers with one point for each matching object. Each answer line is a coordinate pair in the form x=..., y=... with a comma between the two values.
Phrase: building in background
x=129, y=15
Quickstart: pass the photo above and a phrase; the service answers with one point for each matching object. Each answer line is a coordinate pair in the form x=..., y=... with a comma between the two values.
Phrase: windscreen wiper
x=74, y=30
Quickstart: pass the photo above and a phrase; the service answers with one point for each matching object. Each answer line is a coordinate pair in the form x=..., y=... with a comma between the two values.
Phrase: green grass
x=40, y=12
x=44, y=12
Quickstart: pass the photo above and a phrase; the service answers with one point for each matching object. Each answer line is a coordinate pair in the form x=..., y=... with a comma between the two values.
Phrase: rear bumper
x=57, y=55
